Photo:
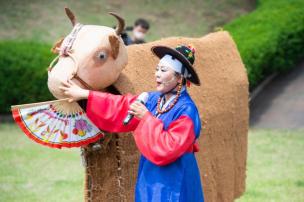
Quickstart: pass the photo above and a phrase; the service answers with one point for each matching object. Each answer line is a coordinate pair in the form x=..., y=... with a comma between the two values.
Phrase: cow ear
x=56, y=46
x=114, y=42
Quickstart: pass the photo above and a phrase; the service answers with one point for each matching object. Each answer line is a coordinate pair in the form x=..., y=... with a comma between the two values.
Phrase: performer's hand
x=138, y=109
x=73, y=91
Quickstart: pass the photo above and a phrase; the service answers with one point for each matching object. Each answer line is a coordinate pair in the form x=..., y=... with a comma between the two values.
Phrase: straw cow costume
x=95, y=58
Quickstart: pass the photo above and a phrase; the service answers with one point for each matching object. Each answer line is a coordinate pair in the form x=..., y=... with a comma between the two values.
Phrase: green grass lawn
x=30, y=172
x=275, y=168
x=46, y=21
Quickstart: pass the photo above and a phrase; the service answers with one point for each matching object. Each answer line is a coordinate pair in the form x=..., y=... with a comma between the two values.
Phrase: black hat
x=185, y=54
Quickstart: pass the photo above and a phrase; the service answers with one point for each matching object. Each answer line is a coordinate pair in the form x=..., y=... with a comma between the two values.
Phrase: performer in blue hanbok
x=165, y=128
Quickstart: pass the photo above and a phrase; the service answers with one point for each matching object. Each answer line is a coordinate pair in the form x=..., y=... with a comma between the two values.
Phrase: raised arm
x=107, y=111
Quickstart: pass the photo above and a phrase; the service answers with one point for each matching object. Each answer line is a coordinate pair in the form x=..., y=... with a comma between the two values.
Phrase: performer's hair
x=184, y=80
x=143, y=23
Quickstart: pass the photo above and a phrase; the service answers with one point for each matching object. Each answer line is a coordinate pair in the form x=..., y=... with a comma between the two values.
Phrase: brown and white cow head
x=93, y=56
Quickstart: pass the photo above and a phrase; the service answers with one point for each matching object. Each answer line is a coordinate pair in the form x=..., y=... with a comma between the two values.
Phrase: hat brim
x=161, y=51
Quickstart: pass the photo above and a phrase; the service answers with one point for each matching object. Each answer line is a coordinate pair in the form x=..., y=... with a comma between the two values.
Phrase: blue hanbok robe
x=168, y=170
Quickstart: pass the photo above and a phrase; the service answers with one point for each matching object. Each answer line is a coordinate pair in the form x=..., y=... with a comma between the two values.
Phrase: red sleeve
x=164, y=146
x=107, y=111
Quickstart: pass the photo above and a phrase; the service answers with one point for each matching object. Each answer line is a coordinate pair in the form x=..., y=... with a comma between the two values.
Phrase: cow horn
x=71, y=15
x=121, y=23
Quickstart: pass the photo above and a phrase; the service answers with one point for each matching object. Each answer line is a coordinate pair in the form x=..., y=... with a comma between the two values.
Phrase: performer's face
x=139, y=32
x=166, y=78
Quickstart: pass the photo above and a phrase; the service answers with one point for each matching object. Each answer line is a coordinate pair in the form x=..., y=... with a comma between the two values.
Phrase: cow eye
x=102, y=55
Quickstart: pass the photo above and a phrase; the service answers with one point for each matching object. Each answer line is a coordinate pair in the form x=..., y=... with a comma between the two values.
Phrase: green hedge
x=23, y=75
x=271, y=38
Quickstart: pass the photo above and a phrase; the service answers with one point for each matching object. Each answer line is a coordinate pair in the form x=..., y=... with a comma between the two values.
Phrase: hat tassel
x=188, y=83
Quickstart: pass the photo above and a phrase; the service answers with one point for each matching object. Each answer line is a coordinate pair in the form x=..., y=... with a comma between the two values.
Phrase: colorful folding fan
x=56, y=124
